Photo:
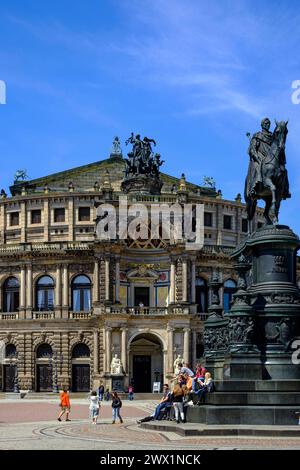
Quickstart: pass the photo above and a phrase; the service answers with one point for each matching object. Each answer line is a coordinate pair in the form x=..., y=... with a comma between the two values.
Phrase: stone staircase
x=249, y=402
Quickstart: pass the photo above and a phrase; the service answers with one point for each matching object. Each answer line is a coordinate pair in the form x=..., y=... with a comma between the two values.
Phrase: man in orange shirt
x=64, y=404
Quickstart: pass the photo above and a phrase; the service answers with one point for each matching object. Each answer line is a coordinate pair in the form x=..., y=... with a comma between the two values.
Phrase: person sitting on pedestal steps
x=201, y=388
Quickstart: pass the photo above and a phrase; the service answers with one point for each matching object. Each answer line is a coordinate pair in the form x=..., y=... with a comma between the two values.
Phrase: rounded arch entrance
x=146, y=361
x=44, y=372
x=81, y=369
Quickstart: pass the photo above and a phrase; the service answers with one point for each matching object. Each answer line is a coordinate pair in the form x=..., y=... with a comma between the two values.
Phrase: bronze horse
x=274, y=185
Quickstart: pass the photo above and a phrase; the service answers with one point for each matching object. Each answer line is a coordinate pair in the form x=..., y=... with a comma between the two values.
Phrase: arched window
x=44, y=351
x=81, y=294
x=80, y=350
x=201, y=295
x=45, y=293
x=11, y=289
x=229, y=289
x=10, y=351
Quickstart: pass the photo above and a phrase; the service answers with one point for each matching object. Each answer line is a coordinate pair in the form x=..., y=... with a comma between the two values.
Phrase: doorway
x=142, y=296
x=44, y=378
x=141, y=373
x=146, y=362
x=9, y=372
x=80, y=377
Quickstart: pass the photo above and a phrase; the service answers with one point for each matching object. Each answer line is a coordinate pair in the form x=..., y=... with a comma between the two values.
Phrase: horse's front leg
x=269, y=184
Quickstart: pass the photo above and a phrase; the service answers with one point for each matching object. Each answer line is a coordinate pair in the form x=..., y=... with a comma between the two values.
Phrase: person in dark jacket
x=101, y=392
x=116, y=406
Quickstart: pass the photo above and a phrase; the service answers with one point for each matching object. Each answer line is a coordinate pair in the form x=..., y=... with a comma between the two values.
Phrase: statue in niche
x=178, y=360
x=116, y=365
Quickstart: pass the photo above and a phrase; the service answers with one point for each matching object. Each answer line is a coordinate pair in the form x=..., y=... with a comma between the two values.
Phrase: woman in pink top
x=200, y=372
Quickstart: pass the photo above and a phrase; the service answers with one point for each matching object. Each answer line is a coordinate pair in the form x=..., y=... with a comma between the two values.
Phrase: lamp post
x=18, y=362
x=54, y=360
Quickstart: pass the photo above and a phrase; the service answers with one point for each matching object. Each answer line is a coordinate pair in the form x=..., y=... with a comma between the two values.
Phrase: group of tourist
x=94, y=404
x=189, y=388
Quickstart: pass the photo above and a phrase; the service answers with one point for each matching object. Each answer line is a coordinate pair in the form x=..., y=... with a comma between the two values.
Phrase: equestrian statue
x=267, y=176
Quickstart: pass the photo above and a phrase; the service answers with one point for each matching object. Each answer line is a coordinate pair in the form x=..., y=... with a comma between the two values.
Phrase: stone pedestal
x=264, y=317
x=117, y=383
x=260, y=383
x=142, y=184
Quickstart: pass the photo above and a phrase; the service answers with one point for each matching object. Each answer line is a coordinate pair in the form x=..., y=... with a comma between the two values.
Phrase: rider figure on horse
x=258, y=149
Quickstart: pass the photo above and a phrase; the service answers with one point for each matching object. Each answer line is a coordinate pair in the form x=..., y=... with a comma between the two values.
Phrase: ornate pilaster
x=172, y=280
x=184, y=280
x=107, y=279
x=29, y=292
x=170, y=352
x=117, y=279
x=58, y=289
x=65, y=291
x=124, y=348
x=108, y=331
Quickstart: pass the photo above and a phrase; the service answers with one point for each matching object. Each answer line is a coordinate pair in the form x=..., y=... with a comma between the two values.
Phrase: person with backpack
x=94, y=407
x=116, y=406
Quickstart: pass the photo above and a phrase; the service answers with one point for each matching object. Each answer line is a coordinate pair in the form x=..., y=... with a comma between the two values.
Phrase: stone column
x=124, y=348
x=96, y=281
x=71, y=219
x=58, y=287
x=193, y=281
x=46, y=220
x=194, y=346
x=96, y=353
x=186, y=345
x=170, y=349
x=172, y=281
x=65, y=291
x=184, y=280
x=29, y=291
x=117, y=280
x=108, y=348
x=23, y=288
x=107, y=280
x=23, y=222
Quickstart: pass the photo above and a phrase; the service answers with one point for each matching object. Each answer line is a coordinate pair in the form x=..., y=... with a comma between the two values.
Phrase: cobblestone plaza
x=32, y=425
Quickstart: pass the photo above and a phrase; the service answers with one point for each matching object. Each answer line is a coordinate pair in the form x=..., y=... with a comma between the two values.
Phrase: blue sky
x=195, y=75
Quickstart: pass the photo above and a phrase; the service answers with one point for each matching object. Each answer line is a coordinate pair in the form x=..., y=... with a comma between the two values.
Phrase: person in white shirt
x=94, y=407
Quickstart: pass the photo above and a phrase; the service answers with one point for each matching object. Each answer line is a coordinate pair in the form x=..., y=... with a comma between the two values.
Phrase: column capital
x=170, y=329
x=186, y=329
x=124, y=328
